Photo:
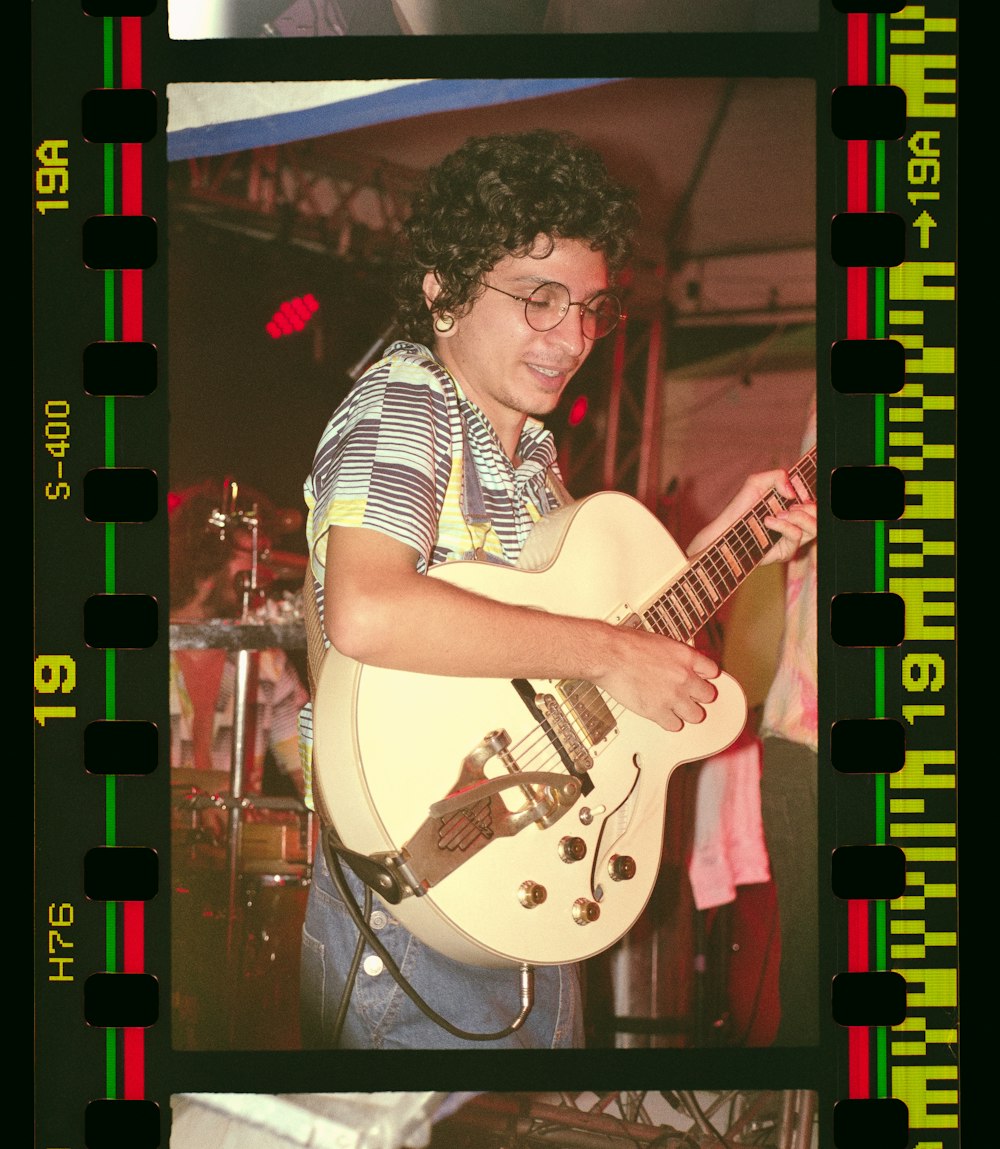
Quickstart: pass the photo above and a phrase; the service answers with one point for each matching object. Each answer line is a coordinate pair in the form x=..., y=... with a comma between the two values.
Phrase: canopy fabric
x=206, y=119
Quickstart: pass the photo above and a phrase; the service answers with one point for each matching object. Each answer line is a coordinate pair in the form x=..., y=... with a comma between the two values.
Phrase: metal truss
x=341, y=204
x=634, y=1120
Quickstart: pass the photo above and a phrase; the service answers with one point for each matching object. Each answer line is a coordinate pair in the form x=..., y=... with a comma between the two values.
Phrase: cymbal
x=232, y=499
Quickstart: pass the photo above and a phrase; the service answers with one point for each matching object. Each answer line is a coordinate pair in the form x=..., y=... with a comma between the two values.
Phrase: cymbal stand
x=243, y=732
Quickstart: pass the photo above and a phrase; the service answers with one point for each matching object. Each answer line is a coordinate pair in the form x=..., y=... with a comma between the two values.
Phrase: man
x=438, y=454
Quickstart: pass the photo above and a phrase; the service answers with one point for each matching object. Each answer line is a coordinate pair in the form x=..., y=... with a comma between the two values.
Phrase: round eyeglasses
x=546, y=307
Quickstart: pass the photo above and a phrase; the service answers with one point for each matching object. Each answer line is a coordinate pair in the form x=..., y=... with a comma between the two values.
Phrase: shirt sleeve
x=384, y=460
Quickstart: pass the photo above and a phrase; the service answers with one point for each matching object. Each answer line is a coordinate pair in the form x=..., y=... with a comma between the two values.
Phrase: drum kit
x=240, y=868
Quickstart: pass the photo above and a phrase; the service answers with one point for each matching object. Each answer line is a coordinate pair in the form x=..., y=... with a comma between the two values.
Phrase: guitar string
x=743, y=545
x=683, y=617
x=535, y=750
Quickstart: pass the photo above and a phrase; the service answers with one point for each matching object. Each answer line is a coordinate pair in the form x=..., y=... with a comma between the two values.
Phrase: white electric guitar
x=518, y=822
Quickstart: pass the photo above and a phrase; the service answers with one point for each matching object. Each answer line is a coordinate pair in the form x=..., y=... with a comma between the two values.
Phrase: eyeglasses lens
x=547, y=305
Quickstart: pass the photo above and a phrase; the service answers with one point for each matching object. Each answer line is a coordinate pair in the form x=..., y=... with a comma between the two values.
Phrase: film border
x=108, y=975
x=905, y=948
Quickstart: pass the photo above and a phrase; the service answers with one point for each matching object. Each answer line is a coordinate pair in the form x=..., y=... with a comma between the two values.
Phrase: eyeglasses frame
x=526, y=299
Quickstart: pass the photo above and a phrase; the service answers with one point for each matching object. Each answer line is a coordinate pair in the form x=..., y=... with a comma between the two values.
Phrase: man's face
x=506, y=367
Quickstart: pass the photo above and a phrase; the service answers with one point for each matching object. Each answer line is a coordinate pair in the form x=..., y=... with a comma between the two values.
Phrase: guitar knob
x=585, y=911
x=621, y=867
x=572, y=849
x=531, y=894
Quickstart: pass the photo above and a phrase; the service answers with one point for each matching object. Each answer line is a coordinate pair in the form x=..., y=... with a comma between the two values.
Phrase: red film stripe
x=131, y=278
x=131, y=166
x=134, y=1039
x=857, y=303
x=134, y=937
x=857, y=175
x=131, y=42
x=857, y=48
x=132, y=305
x=134, y=1052
x=858, y=1056
x=134, y=1057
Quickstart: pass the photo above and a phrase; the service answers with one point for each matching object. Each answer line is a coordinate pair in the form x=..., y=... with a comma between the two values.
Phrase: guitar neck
x=684, y=606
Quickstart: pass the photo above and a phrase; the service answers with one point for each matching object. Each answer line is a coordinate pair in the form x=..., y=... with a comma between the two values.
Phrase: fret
x=676, y=600
x=671, y=622
x=690, y=620
x=701, y=597
x=707, y=582
x=680, y=630
x=735, y=569
x=748, y=548
x=761, y=534
x=690, y=588
x=682, y=608
x=655, y=617
x=718, y=570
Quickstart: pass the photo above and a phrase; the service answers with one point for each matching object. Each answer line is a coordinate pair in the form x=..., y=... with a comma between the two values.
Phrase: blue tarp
x=224, y=130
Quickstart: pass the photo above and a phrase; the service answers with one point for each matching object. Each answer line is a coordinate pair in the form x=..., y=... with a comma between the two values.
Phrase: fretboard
x=686, y=604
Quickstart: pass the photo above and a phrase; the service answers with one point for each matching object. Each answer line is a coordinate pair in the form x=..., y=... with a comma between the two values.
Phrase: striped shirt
x=392, y=458
x=279, y=698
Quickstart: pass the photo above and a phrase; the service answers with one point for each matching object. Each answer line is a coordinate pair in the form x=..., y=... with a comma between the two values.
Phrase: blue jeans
x=381, y=1016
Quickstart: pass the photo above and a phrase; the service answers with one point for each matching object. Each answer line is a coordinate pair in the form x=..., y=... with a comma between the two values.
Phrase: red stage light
x=578, y=410
x=292, y=315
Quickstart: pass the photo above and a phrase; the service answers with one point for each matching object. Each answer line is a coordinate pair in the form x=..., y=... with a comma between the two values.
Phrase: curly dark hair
x=493, y=197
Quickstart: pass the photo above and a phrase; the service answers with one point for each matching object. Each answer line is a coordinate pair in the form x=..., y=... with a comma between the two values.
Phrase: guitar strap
x=315, y=642
x=557, y=492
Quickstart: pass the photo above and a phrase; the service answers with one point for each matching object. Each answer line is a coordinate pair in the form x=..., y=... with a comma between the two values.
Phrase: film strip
x=887, y=440
x=897, y=998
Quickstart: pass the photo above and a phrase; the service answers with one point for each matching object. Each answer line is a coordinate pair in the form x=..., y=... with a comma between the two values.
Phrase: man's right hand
x=660, y=678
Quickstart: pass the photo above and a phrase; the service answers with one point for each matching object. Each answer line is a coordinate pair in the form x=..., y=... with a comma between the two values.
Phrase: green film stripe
x=109, y=180
x=109, y=52
x=110, y=660
x=879, y=315
x=109, y=305
x=111, y=1062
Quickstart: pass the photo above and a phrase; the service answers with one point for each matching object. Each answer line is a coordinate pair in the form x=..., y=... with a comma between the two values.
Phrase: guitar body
x=389, y=744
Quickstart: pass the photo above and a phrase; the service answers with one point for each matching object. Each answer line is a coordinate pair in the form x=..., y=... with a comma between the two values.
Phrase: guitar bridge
x=460, y=825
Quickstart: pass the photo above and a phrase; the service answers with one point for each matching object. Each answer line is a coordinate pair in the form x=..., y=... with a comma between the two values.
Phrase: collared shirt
x=392, y=458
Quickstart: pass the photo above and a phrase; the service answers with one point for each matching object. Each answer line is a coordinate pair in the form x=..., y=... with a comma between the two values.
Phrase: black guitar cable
x=366, y=934
x=352, y=973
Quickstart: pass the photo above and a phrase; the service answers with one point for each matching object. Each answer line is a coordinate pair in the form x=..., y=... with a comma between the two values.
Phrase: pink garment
x=790, y=709
x=729, y=849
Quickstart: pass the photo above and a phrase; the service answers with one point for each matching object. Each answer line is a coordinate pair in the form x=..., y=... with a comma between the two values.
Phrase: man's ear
x=444, y=322
x=432, y=288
